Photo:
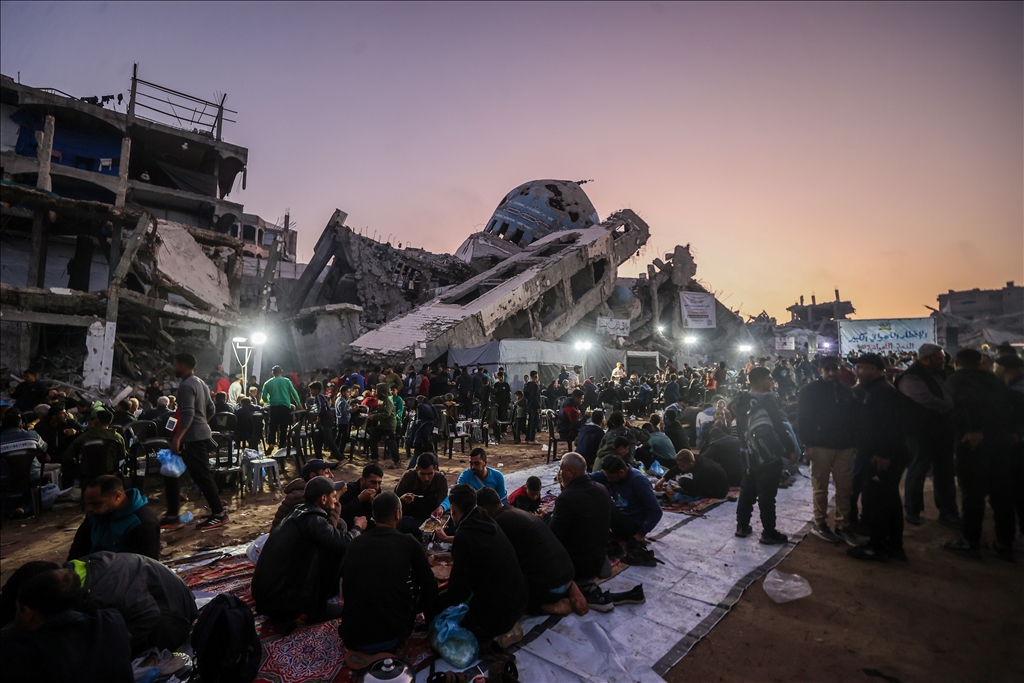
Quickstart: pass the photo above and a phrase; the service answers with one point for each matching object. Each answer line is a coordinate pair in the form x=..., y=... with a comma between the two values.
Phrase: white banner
x=618, y=327
x=785, y=344
x=882, y=336
x=698, y=309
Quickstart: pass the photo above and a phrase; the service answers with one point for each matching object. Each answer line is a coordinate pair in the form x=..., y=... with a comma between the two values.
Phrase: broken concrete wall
x=541, y=292
x=322, y=334
x=180, y=265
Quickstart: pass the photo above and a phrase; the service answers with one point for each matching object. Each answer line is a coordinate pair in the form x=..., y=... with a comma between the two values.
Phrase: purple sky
x=797, y=147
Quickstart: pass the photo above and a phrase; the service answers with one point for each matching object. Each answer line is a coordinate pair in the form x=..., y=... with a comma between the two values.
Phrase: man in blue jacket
x=117, y=520
x=635, y=510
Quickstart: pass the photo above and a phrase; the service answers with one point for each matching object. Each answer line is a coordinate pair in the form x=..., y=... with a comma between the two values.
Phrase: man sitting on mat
x=386, y=581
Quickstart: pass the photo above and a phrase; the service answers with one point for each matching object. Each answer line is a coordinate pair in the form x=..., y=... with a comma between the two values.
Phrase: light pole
x=243, y=347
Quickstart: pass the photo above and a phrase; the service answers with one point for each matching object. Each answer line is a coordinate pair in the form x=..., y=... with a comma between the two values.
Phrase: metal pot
x=389, y=670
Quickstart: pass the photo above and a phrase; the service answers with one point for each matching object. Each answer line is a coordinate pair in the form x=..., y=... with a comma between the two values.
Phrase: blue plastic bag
x=455, y=644
x=171, y=465
x=656, y=469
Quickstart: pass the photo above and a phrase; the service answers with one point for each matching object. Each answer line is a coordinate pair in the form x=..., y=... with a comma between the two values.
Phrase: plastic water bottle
x=186, y=517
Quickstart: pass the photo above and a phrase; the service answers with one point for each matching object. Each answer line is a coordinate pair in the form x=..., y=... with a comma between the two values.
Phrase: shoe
x=212, y=522
x=897, y=554
x=914, y=519
x=824, y=533
x=634, y=596
x=866, y=552
x=18, y=513
x=860, y=529
x=785, y=484
x=743, y=530
x=599, y=600
x=773, y=538
x=961, y=545
x=952, y=521
x=848, y=536
x=170, y=522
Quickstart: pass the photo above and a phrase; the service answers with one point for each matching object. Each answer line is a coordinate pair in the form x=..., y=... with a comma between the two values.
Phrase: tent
x=521, y=356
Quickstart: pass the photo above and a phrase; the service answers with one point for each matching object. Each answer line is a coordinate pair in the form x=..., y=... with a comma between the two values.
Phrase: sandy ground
x=940, y=617
x=25, y=540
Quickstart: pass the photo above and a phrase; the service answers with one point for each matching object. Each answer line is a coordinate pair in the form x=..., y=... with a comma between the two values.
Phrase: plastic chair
x=254, y=470
x=18, y=465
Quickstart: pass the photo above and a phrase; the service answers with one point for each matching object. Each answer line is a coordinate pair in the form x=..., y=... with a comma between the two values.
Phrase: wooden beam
x=13, y=316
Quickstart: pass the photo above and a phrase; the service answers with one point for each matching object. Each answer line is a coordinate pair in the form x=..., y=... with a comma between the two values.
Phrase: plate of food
x=433, y=524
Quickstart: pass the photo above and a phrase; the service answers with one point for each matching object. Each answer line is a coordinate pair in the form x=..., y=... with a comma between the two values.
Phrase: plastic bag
x=782, y=587
x=171, y=465
x=255, y=548
x=656, y=469
x=455, y=644
x=48, y=494
x=251, y=454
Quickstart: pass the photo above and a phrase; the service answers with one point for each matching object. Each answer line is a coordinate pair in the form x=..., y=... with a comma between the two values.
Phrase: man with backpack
x=765, y=442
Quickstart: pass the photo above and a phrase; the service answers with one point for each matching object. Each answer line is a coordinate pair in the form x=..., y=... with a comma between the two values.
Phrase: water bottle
x=186, y=517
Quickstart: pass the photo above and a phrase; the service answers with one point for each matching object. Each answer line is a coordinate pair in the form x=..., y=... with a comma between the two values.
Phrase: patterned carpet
x=697, y=507
x=311, y=653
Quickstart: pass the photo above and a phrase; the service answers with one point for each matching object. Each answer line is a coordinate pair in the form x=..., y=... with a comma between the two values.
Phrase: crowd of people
x=860, y=423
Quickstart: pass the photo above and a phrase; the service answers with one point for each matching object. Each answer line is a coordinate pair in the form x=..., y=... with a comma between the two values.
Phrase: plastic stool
x=257, y=468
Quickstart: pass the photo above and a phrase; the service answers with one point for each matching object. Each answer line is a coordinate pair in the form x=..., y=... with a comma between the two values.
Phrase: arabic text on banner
x=895, y=335
x=698, y=309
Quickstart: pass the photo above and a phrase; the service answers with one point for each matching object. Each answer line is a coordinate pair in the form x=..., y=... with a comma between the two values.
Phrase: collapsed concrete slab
x=182, y=267
x=540, y=292
x=322, y=334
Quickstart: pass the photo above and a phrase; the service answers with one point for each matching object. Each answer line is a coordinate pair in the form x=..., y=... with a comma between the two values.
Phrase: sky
x=877, y=148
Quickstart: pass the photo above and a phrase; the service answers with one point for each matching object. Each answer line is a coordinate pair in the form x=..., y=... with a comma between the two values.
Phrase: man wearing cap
x=294, y=492
x=929, y=424
x=300, y=563
x=881, y=458
x=825, y=418
x=280, y=394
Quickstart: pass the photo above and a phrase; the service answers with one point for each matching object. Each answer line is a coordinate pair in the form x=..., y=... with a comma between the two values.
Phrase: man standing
x=531, y=391
x=881, y=458
x=826, y=420
x=929, y=435
x=343, y=414
x=280, y=394
x=386, y=582
x=117, y=520
x=325, y=421
x=767, y=442
x=300, y=563
x=382, y=425
x=191, y=441
x=984, y=423
x=569, y=418
x=502, y=396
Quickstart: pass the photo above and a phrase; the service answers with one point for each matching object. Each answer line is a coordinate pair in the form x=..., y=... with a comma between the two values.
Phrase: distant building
x=976, y=317
x=820, y=318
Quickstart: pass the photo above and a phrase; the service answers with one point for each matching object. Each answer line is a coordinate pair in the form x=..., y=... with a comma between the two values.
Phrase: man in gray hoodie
x=191, y=440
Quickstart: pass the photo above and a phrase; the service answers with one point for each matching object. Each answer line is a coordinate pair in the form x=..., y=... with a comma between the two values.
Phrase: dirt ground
x=939, y=617
x=25, y=540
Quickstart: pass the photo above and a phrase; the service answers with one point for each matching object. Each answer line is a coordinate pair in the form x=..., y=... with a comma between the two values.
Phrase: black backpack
x=224, y=639
x=763, y=444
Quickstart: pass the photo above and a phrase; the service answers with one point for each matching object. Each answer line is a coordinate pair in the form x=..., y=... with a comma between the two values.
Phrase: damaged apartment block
x=119, y=246
x=540, y=292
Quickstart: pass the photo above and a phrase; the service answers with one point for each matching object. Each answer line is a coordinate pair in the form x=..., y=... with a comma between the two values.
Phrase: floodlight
x=239, y=340
x=259, y=338
x=746, y=347
x=661, y=329
x=690, y=340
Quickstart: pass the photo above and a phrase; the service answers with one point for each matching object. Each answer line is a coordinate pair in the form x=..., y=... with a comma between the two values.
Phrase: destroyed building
x=980, y=317
x=116, y=231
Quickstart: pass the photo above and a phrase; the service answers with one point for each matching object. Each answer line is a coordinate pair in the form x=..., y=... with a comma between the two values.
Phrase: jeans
x=532, y=419
x=195, y=455
x=882, y=508
x=839, y=464
x=344, y=432
x=760, y=487
x=280, y=422
x=519, y=428
x=986, y=471
x=935, y=452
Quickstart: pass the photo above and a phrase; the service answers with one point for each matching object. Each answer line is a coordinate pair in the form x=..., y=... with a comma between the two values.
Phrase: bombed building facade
x=120, y=245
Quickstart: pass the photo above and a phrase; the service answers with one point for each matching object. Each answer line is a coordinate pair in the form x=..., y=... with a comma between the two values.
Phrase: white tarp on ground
x=521, y=356
x=705, y=570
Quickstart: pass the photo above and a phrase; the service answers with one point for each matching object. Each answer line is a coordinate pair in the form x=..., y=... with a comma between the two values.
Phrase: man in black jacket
x=881, y=458
x=929, y=411
x=301, y=561
x=531, y=391
x=825, y=420
x=544, y=561
x=484, y=566
x=357, y=499
x=387, y=581
x=984, y=420
x=675, y=431
x=52, y=642
x=724, y=449
x=502, y=396
x=581, y=521
x=761, y=481
x=707, y=478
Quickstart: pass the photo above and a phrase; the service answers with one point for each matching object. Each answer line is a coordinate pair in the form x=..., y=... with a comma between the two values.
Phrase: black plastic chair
x=18, y=466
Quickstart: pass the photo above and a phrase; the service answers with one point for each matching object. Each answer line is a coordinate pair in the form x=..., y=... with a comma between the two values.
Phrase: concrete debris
x=181, y=266
x=541, y=292
x=322, y=334
x=537, y=208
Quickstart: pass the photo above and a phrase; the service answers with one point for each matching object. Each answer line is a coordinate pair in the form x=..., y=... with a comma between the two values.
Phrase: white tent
x=521, y=356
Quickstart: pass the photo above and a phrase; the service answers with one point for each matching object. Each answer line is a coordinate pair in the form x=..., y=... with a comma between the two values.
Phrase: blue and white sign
x=896, y=335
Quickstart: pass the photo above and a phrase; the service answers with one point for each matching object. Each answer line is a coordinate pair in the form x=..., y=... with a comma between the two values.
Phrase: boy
x=519, y=410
